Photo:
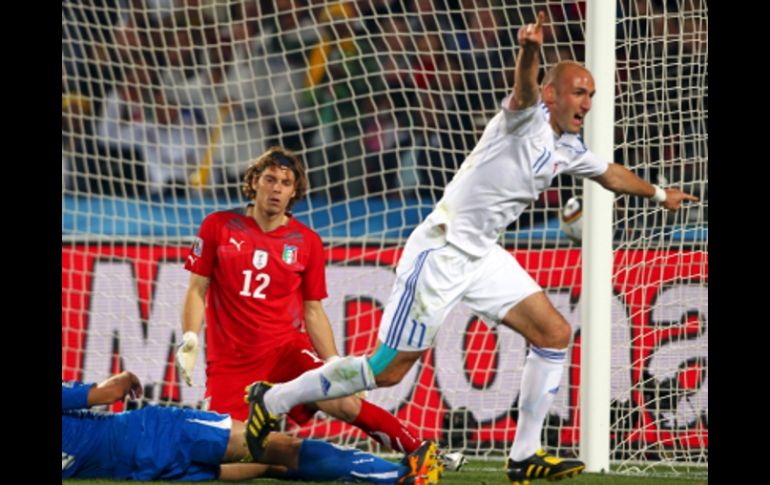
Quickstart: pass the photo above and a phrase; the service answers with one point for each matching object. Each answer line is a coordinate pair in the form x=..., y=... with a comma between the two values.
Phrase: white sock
x=341, y=377
x=539, y=384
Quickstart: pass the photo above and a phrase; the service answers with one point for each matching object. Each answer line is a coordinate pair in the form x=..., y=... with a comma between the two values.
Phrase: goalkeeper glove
x=186, y=355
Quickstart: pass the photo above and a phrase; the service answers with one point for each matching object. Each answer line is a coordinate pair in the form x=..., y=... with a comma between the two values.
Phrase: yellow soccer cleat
x=260, y=423
x=424, y=466
x=542, y=465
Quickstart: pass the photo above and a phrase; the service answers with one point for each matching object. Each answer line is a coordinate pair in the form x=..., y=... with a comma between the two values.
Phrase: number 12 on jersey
x=262, y=280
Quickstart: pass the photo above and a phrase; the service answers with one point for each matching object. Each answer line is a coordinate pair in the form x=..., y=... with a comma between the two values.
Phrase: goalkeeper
x=453, y=256
x=169, y=443
x=258, y=274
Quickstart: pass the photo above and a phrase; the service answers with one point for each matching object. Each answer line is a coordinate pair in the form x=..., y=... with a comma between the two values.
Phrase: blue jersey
x=153, y=443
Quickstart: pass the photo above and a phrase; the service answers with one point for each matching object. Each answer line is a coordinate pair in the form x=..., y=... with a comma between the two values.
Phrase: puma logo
x=236, y=243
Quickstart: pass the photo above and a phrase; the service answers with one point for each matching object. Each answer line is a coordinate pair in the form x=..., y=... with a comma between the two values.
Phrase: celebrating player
x=453, y=256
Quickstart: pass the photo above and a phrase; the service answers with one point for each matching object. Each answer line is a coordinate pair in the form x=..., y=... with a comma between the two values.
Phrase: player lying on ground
x=171, y=443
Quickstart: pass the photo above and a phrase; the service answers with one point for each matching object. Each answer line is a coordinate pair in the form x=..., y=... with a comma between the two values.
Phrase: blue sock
x=323, y=461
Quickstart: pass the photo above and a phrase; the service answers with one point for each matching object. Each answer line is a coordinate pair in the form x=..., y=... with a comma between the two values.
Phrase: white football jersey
x=515, y=160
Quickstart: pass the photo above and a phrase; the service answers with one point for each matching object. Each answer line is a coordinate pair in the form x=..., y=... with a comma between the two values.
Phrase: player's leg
x=233, y=469
x=342, y=377
x=238, y=472
x=549, y=335
x=427, y=286
x=502, y=291
x=378, y=423
x=428, y=283
x=320, y=461
x=297, y=356
x=289, y=457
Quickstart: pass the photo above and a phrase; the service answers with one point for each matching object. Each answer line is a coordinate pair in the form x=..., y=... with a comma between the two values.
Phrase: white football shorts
x=433, y=276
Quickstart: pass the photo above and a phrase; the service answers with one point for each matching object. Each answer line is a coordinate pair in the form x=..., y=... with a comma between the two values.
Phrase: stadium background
x=163, y=104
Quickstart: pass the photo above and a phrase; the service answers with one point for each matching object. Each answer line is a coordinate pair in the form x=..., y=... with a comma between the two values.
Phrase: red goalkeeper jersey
x=258, y=283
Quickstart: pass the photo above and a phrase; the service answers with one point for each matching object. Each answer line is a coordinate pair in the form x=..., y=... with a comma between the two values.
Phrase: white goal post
x=165, y=102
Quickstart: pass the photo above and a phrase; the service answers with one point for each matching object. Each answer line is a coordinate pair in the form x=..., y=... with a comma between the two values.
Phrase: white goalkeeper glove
x=362, y=394
x=186, y=355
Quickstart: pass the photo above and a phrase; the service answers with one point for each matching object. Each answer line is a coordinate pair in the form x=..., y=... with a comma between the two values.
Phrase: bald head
x=567, y=91
x=563, y=68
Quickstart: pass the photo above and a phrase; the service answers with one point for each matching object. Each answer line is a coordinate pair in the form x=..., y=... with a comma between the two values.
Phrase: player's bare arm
x=621, y=180
x=194, y=305
x=525, y=88
x=115, y=388
x=319, y=329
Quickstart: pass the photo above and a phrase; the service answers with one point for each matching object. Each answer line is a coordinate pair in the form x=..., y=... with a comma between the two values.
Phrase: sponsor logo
x=325, y=385
x=237, y=244
x=660, y=337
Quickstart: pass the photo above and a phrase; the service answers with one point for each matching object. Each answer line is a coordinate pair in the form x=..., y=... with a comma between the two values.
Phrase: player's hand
x=133, y=385
x=675, y=197
x=186, y=355
x=531, y=35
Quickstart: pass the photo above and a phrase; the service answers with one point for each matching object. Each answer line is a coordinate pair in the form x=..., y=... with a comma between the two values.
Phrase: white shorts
x=433, y=276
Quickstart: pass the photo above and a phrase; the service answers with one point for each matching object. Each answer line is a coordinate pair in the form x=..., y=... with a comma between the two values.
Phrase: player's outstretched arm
x=525, y=88
x=621, y=180
x=115, y=388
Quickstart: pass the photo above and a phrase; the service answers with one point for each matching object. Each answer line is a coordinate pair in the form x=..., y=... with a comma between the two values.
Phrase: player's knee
x=560, y=336
x=556, y=335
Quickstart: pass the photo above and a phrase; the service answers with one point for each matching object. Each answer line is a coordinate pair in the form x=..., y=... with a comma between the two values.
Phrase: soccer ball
x=571, y=221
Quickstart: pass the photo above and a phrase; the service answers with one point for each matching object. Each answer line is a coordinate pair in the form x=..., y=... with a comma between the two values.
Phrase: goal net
x=165, y=103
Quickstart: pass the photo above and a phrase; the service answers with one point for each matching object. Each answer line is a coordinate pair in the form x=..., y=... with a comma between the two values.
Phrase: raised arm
x=525, y=88
x=621, y=180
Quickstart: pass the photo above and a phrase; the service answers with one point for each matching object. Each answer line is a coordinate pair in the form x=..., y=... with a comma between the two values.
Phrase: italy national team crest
x=289, y=254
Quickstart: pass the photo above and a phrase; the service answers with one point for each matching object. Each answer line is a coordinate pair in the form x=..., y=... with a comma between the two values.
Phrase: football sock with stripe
x=337, y=378
x=539, y=384
x=385, y=428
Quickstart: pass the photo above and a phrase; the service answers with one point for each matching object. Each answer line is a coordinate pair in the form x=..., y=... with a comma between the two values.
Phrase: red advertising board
x=122, y=302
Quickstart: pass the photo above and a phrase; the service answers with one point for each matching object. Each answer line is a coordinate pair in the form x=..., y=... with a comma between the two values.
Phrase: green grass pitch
x=477, y=472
